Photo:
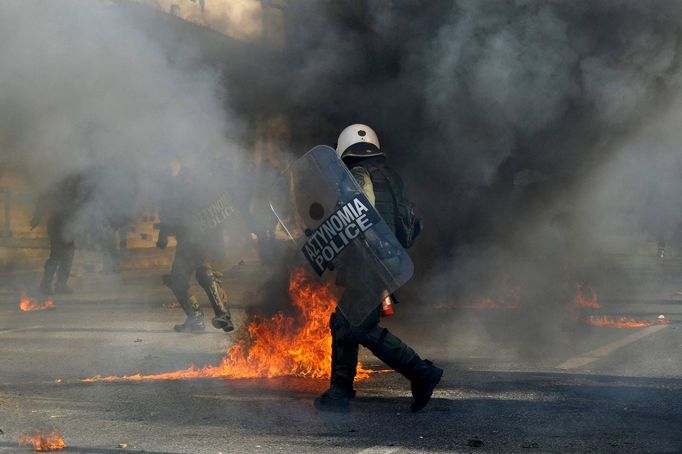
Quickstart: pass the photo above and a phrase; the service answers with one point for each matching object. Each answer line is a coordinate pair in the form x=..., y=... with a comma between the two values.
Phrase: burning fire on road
x=277, y=346
x=43, y=442
x=582, y=300
x=585, y=298
x=27, y=304
x=622, y=322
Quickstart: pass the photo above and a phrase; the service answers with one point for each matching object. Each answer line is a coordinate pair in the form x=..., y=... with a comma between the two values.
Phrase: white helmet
x=358, y=141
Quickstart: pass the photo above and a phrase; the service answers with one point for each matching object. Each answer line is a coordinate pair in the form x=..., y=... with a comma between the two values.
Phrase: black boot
x=195, y=317
x=344, y=364
x=192, y=323
x=424, y=377
x=335, y=399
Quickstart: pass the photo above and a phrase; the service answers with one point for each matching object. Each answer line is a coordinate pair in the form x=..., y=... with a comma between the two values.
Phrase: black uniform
x=382, y=186
x=194, y=208
x=61, y=205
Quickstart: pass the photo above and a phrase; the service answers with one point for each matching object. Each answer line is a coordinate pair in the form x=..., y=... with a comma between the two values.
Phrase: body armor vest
x=383, y=179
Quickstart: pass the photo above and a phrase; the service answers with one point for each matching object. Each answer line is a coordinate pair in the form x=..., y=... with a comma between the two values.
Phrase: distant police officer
x=194, y=207
x=61, y=204
x=358, y=147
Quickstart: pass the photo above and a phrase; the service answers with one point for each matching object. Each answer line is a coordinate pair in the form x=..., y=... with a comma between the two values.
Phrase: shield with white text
x=339, y=232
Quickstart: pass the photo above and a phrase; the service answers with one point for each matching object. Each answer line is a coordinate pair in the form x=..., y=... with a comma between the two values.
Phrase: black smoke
x=498, y=114
x=526, y=130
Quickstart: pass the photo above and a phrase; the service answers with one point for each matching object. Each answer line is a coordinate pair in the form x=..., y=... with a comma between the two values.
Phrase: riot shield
x=323, y=209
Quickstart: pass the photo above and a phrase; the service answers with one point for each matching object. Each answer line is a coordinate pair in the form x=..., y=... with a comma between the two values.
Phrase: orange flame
x=27, y=304
x=42, y=442
x=277, y=346
x=622, y=322
x=581, y=300
x=173, y=305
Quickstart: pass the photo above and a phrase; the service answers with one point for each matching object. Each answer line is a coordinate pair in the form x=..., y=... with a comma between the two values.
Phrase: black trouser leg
x=50, y=269
x=178, y=282
x=66, y=254
x=344, y=352
x=54, y=233
x=384, y=345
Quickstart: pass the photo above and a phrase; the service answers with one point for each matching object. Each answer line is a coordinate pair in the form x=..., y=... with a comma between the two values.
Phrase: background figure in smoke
x=117, y=186
x=61, y=204
x=358, y=146
x=194, y=207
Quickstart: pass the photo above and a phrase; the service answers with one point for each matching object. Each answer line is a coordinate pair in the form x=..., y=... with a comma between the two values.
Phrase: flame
x=27, y=304
x=622, y=322
x=581, y=300
x=42, y=442
x=173, y=305
x=277, y=346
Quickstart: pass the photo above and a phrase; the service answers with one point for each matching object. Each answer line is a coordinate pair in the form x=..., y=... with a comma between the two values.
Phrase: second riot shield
x=324, y=210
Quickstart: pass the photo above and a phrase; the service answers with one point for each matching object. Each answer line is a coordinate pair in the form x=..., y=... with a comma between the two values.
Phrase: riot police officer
x=61, y=204
x=194, y=206
x=358, y=147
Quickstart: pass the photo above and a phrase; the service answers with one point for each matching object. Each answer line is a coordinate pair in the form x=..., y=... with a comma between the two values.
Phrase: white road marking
x=379, y=450
x=601, y=352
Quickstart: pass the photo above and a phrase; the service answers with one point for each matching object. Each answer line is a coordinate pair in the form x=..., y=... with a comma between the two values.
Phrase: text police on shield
x=337, y=231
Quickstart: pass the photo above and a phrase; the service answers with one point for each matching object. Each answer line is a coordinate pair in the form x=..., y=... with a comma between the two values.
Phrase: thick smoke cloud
x=528, y=132
x=531, y=134
x=82, y=88
x=495, y=111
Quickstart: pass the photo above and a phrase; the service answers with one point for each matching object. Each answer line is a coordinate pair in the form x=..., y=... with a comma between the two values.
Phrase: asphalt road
x=596, y=390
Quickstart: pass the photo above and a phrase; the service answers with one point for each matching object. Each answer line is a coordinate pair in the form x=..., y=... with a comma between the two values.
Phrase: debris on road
x=474, y=443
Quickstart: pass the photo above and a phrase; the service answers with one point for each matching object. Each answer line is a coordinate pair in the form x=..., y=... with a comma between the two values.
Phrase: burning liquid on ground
x=277, y=346
x=622, y=322
x=43, y=442
x=586, y=298
x=27, y=304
